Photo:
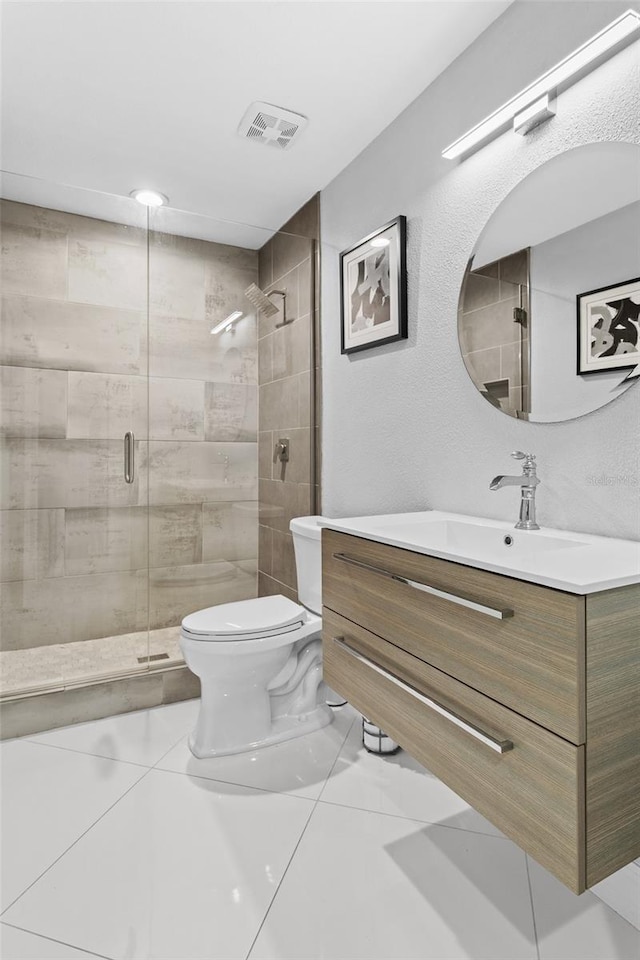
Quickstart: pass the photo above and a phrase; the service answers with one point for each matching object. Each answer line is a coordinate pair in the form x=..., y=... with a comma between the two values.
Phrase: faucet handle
x=529, y=465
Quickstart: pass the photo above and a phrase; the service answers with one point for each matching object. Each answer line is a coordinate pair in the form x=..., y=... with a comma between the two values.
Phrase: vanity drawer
x=533, y=792
x=520, y=643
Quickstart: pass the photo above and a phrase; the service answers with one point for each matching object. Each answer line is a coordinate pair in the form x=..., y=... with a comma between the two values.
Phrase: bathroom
x=152, y=466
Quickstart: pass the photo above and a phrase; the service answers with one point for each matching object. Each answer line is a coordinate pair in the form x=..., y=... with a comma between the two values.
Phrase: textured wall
x=286, y=377
x=77, y=541
x=404, y=427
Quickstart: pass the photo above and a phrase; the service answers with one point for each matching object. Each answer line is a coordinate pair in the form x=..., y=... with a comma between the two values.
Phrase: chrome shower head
x=261, y=300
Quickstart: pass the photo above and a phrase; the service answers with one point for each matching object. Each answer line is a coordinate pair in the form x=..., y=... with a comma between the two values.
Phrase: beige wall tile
x=72, y=336
x=283, y=563
x=489, y=326
x=68, y=473
x=485, y=365
x=304, y=399
x=34, y=261
x=178, y=591
x=230, y=531
x=265, y=266
x=231, y=411
x=268, y=587
x=305, y=287
x=108, y=273
x=175, y=535
x=185, y=348
x=298, y=468
x=104, y=406
x=176, y=280
x=265, y=359
x=225, y=286
x=280, y=502
x=291, y=348
x=288, y=251
x=176, y=409
x=265, y=550
x=101, y=540
x=195, y=472
x=31, y=544
x=33, y=403
x=266, y=443
x=42, y=218
x=279, y=404
x=306, y=221
x=40, y=612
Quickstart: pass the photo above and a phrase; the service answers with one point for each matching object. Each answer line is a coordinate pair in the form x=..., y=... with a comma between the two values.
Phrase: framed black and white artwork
x=373, y=288
x=609, y=328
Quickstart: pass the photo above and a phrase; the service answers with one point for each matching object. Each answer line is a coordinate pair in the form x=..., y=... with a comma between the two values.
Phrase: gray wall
x=404, y=427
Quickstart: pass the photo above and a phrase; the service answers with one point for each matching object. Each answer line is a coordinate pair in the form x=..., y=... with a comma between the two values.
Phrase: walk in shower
x=129, y=493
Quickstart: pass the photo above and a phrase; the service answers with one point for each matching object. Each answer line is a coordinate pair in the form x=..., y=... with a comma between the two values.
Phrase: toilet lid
x=263, y=616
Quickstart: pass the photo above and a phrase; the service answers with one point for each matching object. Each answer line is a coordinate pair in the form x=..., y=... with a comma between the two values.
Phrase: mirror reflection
x=548, y=316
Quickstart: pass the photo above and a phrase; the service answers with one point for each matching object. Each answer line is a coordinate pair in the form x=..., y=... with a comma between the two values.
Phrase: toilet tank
x=308, y=550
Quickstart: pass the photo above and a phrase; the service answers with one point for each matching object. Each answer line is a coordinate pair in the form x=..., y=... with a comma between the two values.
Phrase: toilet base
x=282, y=728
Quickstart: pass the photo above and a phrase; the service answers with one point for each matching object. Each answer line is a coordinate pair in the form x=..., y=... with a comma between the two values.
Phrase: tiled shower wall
x=80, y=556
x=495, y=348
x=289, y=403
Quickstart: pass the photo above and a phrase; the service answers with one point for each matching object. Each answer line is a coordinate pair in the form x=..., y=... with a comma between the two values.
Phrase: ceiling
x=110, y=96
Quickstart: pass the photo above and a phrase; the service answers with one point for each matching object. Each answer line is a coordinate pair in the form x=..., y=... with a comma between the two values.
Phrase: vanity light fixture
x=149, y=198
x=534, y=104
x=227, y=322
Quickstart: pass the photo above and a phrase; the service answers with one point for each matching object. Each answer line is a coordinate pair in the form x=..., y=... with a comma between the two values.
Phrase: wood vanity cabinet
x=524, y=699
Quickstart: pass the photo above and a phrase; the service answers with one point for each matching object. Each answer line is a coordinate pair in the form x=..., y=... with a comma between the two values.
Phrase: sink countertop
x=573, y=562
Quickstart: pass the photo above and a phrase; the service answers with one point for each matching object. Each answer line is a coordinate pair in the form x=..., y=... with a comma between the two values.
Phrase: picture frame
x=373, y=289
x=609, y=328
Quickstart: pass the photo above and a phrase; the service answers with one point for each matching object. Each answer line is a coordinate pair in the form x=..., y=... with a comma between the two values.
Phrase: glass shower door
x=74, y=552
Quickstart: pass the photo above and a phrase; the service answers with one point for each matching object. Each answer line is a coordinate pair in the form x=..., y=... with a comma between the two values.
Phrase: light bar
x=590, y=55
x=226, y=323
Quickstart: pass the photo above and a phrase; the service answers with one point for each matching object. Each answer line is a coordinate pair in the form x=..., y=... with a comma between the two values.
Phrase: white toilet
x=260, y=661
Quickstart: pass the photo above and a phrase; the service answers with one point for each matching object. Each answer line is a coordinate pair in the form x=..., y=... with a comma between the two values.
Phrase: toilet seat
x=245, y=620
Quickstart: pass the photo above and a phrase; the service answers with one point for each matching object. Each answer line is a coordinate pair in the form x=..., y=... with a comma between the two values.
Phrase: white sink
x=575, y=562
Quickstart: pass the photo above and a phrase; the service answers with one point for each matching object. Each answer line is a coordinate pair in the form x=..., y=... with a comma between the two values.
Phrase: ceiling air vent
x=271, y=125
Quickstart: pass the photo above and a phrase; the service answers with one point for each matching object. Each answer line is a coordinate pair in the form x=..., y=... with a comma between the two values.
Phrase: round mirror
x=548, y=317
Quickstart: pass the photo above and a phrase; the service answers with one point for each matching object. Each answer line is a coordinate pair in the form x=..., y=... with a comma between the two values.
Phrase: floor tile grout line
x=295, y=849
x=281, y=881
x=533, y=907
x=87, y=753
x=147, y=770
x=403, y=816
x=63, y=943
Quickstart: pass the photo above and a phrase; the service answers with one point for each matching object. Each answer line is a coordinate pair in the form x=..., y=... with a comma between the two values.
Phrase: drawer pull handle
x=497, y=613
x=500, y=746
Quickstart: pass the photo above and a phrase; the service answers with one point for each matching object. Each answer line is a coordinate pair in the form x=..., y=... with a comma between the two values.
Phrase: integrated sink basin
x=575, y=562
x=482, y=540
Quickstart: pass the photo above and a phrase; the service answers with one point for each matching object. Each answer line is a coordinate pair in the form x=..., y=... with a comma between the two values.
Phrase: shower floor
x=55, y=667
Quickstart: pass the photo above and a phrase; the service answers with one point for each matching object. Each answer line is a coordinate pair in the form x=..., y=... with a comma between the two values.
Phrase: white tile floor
x=119, y=844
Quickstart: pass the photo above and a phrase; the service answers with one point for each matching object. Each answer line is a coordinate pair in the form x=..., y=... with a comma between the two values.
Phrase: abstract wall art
x=609, y=328
x=373, y=288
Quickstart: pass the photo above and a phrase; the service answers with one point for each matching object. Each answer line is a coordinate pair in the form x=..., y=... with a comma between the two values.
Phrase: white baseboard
x=621, y=892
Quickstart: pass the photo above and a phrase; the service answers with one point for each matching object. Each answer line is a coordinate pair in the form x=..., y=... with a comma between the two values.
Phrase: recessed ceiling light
x=149, y=198
x=380, y=242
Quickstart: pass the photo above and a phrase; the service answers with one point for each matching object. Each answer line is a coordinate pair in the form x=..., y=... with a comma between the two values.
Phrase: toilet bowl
x=260, y=661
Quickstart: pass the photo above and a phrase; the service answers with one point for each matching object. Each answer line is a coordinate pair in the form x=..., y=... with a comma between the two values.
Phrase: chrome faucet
x=528, y=481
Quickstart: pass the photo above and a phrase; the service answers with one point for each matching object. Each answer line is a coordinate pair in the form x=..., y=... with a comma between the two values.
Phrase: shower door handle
x=129, y=457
